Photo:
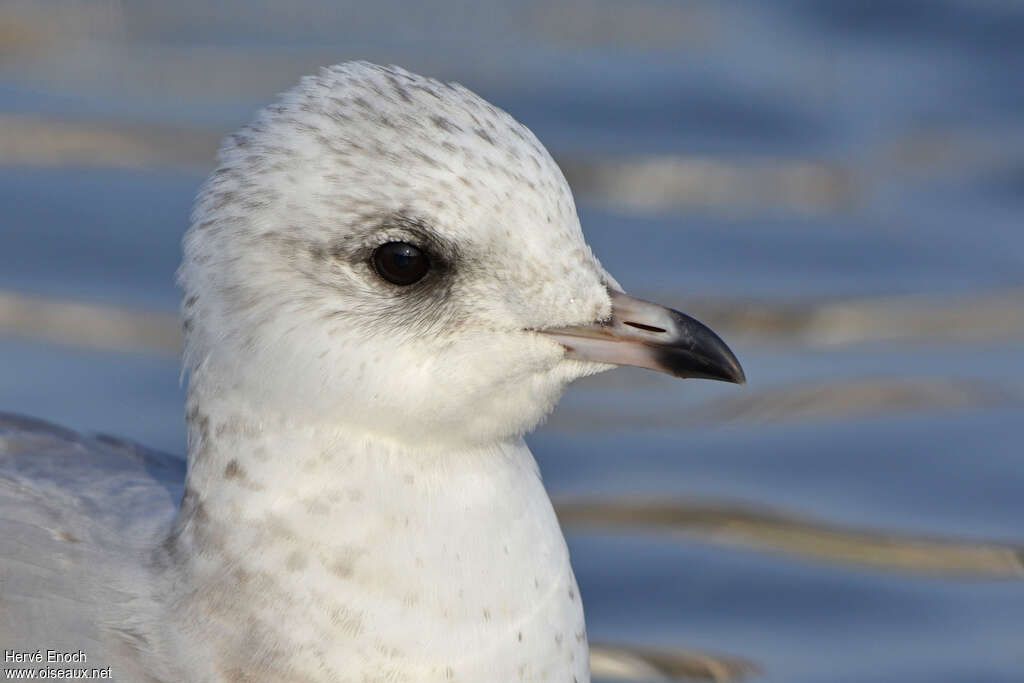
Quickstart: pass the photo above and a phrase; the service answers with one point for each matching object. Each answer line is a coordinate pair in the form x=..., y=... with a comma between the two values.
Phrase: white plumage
x=359, y=504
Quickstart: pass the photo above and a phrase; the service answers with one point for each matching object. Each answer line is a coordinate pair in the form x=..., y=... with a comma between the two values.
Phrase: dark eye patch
x=397, y=262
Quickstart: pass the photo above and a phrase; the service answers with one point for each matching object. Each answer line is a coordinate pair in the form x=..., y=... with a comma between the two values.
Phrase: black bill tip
x=698, y=352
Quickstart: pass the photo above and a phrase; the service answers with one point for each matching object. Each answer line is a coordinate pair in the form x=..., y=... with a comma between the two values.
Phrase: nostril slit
x=641, y=326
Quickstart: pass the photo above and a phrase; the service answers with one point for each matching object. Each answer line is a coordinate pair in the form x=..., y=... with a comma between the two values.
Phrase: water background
x=837, y=188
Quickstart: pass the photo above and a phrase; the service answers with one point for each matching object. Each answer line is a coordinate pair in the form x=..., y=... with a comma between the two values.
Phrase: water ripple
x=787, y=534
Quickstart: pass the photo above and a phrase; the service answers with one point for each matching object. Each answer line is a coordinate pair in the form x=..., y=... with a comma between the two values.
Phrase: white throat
x=341, y=556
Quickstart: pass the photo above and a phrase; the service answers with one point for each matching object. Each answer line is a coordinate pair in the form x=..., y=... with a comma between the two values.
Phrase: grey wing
x=78, y=517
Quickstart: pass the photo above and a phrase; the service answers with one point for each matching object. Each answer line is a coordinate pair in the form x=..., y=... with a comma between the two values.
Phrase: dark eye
x=400, y=263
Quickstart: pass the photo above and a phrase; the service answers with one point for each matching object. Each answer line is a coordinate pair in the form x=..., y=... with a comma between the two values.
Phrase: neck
x=425, y=561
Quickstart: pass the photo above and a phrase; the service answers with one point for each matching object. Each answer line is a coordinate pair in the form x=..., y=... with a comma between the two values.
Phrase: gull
x=385, y=286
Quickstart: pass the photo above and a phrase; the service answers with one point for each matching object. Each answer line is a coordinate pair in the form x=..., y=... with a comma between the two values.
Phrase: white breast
x=423, y=567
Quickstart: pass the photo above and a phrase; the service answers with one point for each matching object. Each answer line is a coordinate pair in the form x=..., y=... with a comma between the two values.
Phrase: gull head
x=393, y=254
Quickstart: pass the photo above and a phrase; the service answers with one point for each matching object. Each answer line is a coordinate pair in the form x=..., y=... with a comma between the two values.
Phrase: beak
x=651, y=336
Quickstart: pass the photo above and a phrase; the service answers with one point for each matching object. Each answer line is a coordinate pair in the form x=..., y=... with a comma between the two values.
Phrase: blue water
x=915, y=105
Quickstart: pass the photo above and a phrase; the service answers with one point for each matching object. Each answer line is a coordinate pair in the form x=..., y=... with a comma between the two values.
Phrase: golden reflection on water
x=771, y=531
x=776, y=532
x=628, y=663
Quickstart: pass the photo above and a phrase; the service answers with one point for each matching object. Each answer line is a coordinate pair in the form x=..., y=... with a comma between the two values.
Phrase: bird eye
x=400, y=263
